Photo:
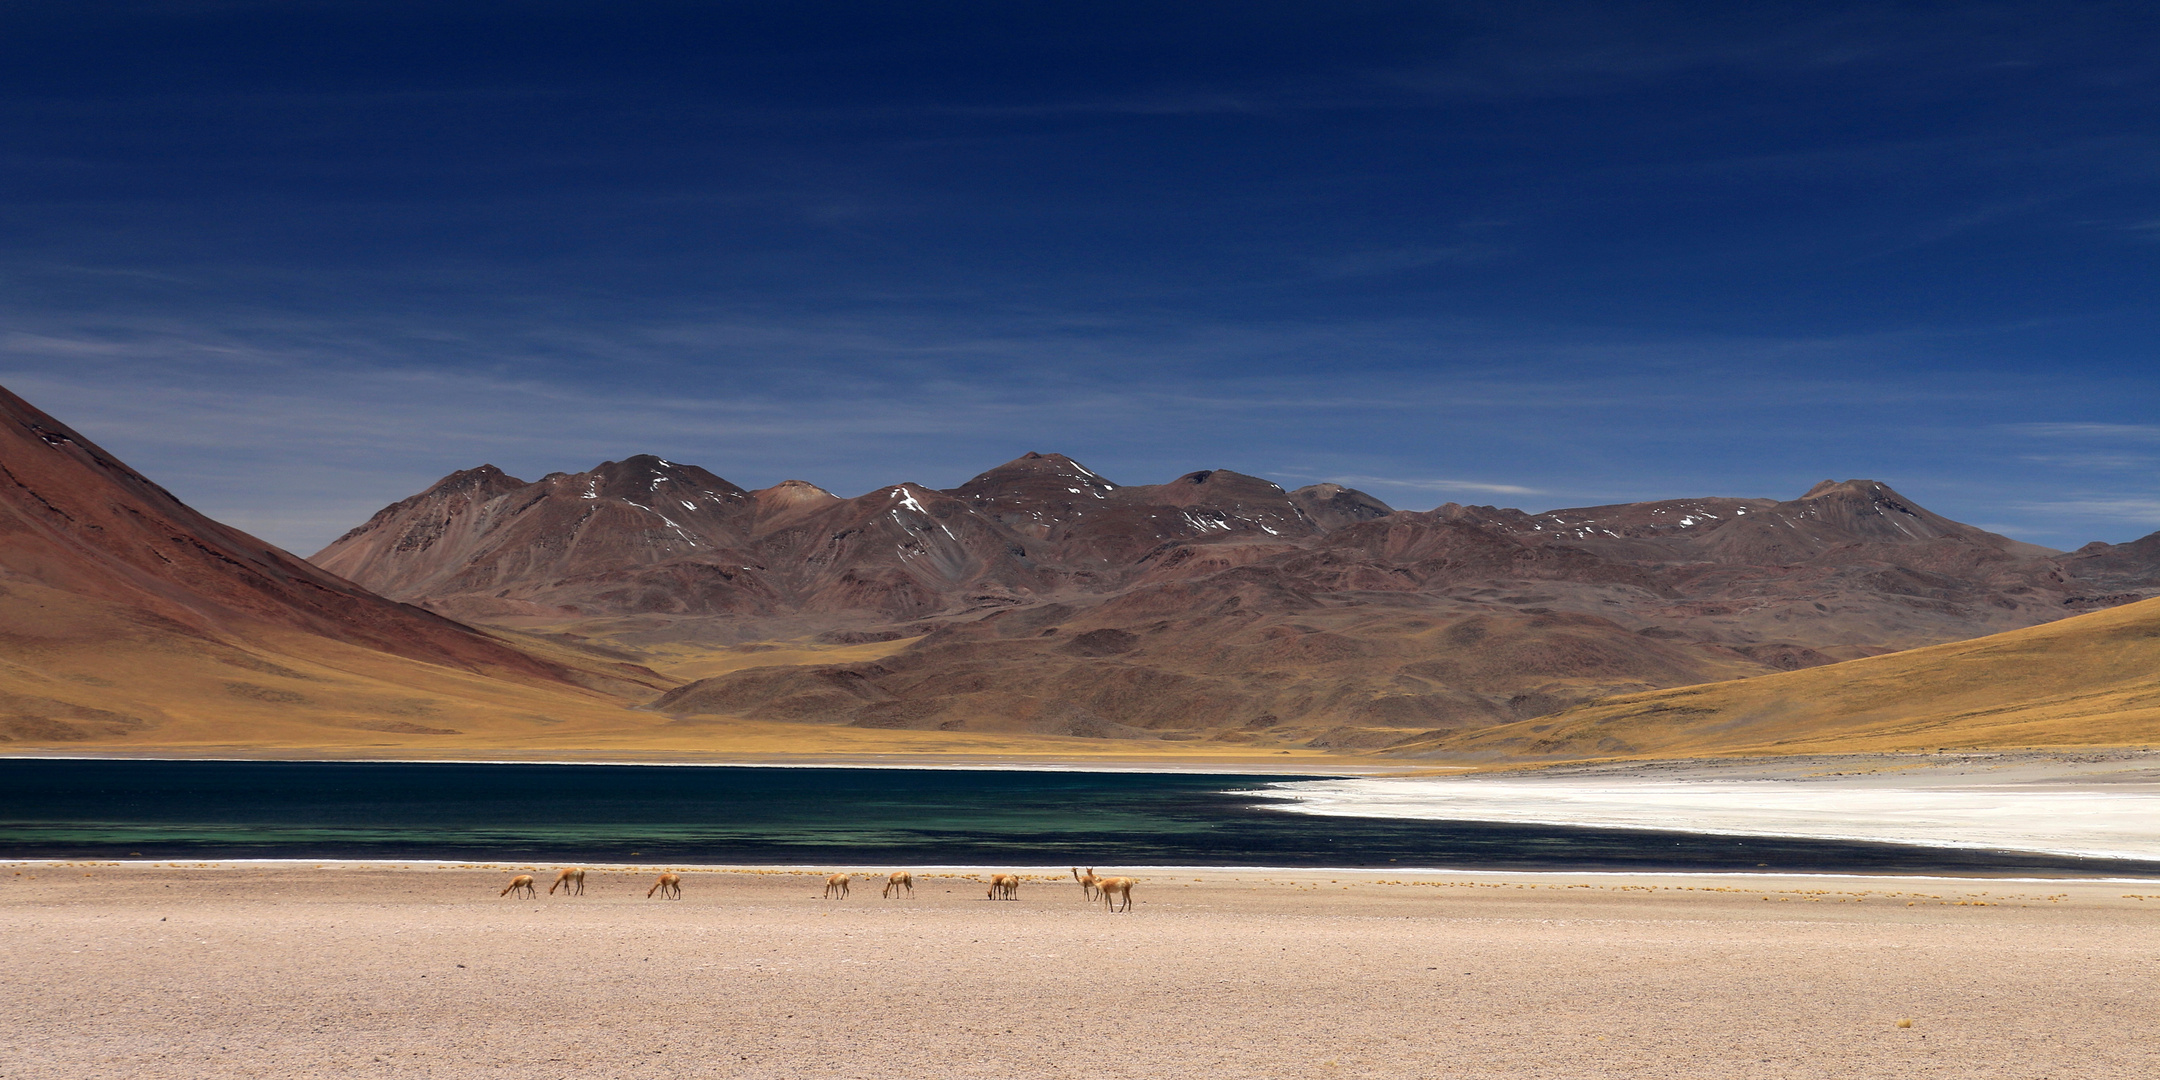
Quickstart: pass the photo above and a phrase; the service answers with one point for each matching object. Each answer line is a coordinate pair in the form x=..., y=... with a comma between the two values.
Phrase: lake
x=200, y=810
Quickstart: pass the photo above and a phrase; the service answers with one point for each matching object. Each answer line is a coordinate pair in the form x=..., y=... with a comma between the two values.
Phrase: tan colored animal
x=522, y=883
x=572, y=882
x=836, y=885
x=899, y=880
x=1087, y=881
x=1004, y=887
x=669, y=886
x=1112, y=887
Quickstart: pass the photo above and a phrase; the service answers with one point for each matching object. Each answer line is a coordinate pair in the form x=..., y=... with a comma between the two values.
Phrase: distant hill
x=2092, y=680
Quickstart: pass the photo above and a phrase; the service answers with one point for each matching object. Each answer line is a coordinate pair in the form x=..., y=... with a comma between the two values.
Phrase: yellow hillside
x=81, y=676
x=2092, y=680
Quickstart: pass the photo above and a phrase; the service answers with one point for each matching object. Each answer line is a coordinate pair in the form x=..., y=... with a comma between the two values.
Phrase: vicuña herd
x=1110, y=890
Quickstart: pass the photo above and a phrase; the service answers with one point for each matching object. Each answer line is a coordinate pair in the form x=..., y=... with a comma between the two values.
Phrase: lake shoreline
x=1060, y=874
x=1108, y=764
x=322, y=811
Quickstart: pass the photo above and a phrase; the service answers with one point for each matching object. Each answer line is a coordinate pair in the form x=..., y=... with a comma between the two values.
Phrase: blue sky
x=296, y=260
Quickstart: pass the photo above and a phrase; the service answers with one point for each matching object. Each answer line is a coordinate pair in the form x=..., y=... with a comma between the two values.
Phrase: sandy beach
x=421, y=969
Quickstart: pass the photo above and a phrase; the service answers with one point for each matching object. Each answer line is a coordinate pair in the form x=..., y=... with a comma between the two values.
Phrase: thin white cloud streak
x=2128, y=509
x=2101, y=462
x=2102, y=432
x=1426, y=484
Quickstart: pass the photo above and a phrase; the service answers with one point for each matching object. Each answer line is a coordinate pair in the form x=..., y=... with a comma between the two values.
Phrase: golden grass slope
x=80, y=676
x=76, y=671
x=2091, y=680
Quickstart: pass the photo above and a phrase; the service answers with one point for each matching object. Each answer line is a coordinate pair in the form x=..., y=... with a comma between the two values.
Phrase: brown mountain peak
x=484, y=476
x=463, y=488
x=791, y=492
x=1225, y=478
x=788, y=503
x=1031, y=476
x=641, y=475
x=1867, y=497
x=1837, y=513
x=1851, y=488
x=1332, y=505
x=1216, y=485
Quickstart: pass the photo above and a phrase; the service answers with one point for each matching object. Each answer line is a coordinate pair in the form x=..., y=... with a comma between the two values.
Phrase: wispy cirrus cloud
x=2082, y=430
x=1424, y=483
x=2131, y=510
x=2097, y=461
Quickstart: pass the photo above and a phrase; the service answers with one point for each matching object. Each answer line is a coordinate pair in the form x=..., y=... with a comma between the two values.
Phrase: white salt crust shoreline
x=2108, y=824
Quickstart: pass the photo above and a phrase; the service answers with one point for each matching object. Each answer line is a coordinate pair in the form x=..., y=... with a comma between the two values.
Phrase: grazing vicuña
x=1114, y=887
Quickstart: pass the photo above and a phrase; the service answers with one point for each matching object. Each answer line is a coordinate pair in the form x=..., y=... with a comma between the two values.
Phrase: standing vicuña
x=899, y=880
x=1005, y=887
x=669, y=886
x=523, y=883
x=1087, y=881
x=572, y=882
x=836, y=885
x=1113, y=887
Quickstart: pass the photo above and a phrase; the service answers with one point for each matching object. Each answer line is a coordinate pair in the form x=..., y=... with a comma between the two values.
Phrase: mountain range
x=1041, y=597
x=649, y=607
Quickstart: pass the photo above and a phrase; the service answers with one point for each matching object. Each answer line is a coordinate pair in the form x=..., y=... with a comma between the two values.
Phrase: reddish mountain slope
x=77, y=521
x=128, y=615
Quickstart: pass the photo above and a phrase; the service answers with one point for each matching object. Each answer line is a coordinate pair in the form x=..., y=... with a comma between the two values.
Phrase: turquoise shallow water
x=687, y=814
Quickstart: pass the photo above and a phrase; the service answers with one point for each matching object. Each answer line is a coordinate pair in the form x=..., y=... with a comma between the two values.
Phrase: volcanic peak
x=461, y=489
x=1215, y=486
x=483, y=478
x=790, y=492
x=644, y=476
x=1871, y=509
x=1033, y=476
x=1333, y=506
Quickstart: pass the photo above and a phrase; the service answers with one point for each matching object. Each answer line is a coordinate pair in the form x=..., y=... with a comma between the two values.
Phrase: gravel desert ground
x=290, y=970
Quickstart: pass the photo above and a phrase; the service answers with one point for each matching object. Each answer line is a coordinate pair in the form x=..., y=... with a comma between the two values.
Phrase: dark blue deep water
x=686, y=814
